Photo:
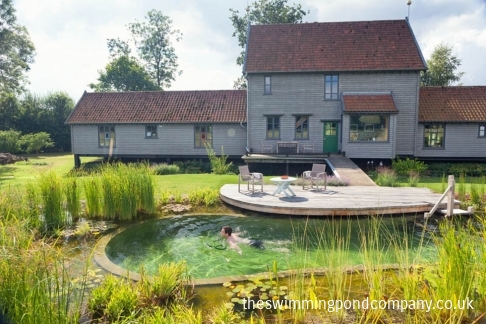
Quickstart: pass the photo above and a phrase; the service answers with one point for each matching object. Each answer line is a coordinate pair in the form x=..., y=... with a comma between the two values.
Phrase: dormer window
x=331, y=83
x=267, y=88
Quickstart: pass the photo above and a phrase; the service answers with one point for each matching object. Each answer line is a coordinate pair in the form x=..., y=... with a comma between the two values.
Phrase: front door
x=330, y=137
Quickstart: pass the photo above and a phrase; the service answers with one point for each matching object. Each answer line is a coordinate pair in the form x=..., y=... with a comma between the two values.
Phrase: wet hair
x=227, y=230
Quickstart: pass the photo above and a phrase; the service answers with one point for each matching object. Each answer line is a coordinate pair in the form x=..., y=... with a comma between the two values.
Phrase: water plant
x=50, y=185
x=92, y=190
x=72, y=194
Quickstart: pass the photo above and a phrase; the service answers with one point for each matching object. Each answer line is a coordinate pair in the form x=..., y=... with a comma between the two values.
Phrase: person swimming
x=233, y=239
x=226, y=232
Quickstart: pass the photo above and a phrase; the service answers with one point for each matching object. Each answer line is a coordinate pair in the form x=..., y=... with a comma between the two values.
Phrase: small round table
x=283, y=186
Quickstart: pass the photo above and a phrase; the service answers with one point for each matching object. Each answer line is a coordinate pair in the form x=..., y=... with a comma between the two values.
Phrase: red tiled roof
x=387, y=45
x=452, y=104
x=160, y=107
x=369, y=103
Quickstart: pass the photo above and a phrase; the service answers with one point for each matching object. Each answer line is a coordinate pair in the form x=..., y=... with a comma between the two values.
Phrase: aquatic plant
x=34, y=285
x=72, y=194
x=92, y=191
x=50, y=185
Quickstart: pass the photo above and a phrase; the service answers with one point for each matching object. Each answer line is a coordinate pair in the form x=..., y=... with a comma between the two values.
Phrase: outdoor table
x=283, y=186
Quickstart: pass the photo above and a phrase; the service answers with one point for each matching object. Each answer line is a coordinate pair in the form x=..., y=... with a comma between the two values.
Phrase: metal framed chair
x=317, y=176
x=267, y=147
x=253, y=178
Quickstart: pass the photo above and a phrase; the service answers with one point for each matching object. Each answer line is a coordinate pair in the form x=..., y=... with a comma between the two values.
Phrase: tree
x=37, y=141
x=442, y=67
x=124, y=74
x=153, y=42
x=156, y=66
x=10, y=141
x=16, y=50
x=262, y=12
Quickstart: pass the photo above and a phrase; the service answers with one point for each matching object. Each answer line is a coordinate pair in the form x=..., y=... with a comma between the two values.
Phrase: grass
x=22, y=172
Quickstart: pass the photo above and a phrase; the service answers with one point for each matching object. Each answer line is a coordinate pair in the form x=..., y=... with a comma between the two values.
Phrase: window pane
x=366, y=128
x=434, y=135
x=482, y=131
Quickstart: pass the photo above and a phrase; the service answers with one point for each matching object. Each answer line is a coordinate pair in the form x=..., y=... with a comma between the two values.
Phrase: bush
x=193, y=166
x=386, y=177
x=335, y=181
x=10, y=141
x=164, y=168
x=404, y=167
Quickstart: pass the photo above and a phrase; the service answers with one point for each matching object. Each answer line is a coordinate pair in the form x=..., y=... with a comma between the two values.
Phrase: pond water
x=291, y=242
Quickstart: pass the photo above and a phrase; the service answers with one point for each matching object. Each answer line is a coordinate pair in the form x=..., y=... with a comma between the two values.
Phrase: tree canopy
x=16, y=50
x=262, y=12
x=156, y=64
x=442, y=68
x=124, y=74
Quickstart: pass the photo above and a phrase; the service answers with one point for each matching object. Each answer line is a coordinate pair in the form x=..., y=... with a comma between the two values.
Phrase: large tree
x=262, y=12
x=124, y=73
x=442, y=68
x=16, y=50
x=156, y=64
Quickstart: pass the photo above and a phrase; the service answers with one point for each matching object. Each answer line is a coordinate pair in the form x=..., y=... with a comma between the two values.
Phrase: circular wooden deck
x=335, y=201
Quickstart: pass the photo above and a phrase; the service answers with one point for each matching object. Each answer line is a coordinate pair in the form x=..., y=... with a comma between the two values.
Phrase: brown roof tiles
x=369, y=103
x=217, y=106
x=452, y=104
x=387, y=45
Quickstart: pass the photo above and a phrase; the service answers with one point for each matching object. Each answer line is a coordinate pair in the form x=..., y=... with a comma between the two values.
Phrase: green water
x=292, y=242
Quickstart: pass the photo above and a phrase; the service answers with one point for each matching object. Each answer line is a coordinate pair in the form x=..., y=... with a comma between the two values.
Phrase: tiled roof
x=369, y=103
x=452, y=104
x=160, y=107
x=387, y=45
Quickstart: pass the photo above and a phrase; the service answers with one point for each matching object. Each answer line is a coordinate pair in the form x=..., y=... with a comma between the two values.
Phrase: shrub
x=335, y=181
x=164, y=168
x=386, y=177
x=193, y=166
x=404, y=167
x=219, y=164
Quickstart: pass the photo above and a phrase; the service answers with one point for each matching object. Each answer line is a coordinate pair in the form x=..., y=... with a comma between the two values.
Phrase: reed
x=72, y=194
x=92, y=191
x=51, y=185
x=34, y=286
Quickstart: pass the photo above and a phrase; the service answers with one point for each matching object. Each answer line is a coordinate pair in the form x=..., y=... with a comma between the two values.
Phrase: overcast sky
x=70, y=35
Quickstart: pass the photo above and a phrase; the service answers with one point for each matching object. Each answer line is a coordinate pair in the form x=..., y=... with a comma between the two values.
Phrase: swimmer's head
x=226, y=231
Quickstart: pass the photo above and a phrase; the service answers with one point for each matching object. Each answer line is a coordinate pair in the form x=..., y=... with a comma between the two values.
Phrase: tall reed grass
x=51, y=185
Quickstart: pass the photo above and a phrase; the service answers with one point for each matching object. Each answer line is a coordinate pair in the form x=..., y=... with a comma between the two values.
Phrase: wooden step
x=455, y=212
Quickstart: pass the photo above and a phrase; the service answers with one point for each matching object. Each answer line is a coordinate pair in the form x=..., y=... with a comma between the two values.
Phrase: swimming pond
x=294, y=243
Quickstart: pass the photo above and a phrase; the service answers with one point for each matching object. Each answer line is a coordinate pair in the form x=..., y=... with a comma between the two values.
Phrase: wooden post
x=450, y=196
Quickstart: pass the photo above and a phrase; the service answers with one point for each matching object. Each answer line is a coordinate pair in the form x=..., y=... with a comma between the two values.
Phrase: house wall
x=303, y=93
x=172, y=140
x=461, y=141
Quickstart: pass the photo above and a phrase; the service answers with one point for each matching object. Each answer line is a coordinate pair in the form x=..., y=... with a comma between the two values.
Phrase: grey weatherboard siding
x=173, y=139
x=303, y=93
x=461, y=141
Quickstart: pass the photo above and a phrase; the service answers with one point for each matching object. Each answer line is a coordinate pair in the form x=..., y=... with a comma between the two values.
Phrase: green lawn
x=61, y=163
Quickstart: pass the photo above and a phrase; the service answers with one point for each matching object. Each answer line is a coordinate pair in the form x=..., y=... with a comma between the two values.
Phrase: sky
x=70, y=35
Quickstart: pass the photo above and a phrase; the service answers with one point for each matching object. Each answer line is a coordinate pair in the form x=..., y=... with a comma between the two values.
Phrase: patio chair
x=308, y=147
x=253, y=178
x=267, y=147
x=315, y=177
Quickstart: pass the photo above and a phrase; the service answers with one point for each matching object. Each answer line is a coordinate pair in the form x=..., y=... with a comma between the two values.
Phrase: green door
x=330, y=137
